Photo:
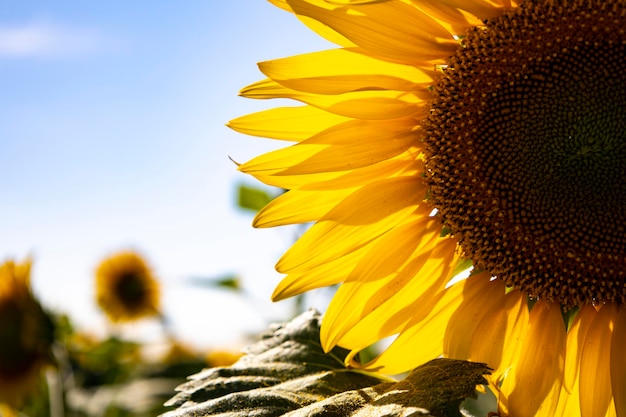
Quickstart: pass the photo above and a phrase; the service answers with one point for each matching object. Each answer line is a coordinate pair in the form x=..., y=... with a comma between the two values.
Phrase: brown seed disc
x=526, y=149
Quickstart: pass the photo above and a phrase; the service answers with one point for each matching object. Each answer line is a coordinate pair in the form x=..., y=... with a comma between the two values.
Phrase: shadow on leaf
x=287, y=373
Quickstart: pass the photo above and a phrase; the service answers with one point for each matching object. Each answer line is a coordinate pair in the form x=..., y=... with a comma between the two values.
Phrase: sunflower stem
x=55, y=393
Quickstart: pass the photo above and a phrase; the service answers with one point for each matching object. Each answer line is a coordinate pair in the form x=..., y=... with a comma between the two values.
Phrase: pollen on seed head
x=539, y=140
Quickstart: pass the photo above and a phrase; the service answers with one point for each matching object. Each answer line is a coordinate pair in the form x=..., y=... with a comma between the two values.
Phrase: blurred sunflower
x=26, y=335
x=448, y=133
x=222, y=357
x=126, y=290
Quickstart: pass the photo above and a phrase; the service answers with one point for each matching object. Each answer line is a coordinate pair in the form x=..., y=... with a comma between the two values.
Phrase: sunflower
x=126, y=290
x=26, y=335
x=222, y=357
x=440, y=134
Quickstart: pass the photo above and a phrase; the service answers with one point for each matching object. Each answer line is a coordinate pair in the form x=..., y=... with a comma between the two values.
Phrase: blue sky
x=112, y=137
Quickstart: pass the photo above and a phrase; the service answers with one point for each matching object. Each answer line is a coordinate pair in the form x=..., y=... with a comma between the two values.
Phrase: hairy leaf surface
x=287, y=373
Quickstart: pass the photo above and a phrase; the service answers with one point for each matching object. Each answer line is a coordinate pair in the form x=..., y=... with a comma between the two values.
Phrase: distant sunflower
x=26, y=335
x=444, y=132
x=126, y=290
x=222, y=357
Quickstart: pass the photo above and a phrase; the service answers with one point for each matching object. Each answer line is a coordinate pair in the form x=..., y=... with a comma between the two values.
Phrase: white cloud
x=47, y=40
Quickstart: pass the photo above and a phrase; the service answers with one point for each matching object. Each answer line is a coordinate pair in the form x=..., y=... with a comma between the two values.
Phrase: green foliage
x=106, y=377
x=40, y=407
x=286, y=370
x=462, y=266
x=226, y=282
x=569, y=314
x=252, y=198
x=288, y=374
x=107, y=362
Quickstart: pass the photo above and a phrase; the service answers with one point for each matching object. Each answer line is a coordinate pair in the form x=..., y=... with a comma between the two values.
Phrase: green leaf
x=461, y=266
x=435, y=389
x=288, y=374
x=226, y=282
x=569, y=315
x=286, y=370
x=252, y=198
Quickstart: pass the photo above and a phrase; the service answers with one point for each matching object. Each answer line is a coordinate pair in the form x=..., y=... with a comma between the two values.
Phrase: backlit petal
x=317, y=27
x=595, y=367
x=422, y=339
x=329, y=273
x=569, y=400
x=479, y=298
x=339, y=71
x=383, y=292
x=480, y=8
x=502, y=334
x=488, y=326
x=618, y=362
x=297, y=206
x=343, y=147
x=286, y=123
x=392, y=30
x=383, y=206
x=532, y=387
x=402, y=165
x=371, y=104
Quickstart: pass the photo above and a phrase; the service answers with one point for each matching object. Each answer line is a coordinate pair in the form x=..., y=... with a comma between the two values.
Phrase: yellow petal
x=595, y=366
x=422, y=339
x=403, y=165
x=356, y=300
x=369, y=143
x=354, y=2
x=618, y=362
x=286, y=123
x=480, y=8
x=382, y=206
x=354, y=131
x=391, y=316
x=392, y=30
x=576, y=337
x=317, y=27
x=569, y=400
x=330, y=273
x=297, y=206
x=344, y=147
x=371, y=303
x=534, y=383
x=480, y=329
x=406, y=164
x=462, y=327
x=290, y=182
x=452, y=18
x=277, y=161
x=339, y=71
x=376, y=104
x=502, y=333
x=15, y=280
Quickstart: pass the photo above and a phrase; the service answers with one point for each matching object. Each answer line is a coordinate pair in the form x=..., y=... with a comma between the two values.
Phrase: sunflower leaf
x=252, y=198
x=287, y=373
x=227, y=282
